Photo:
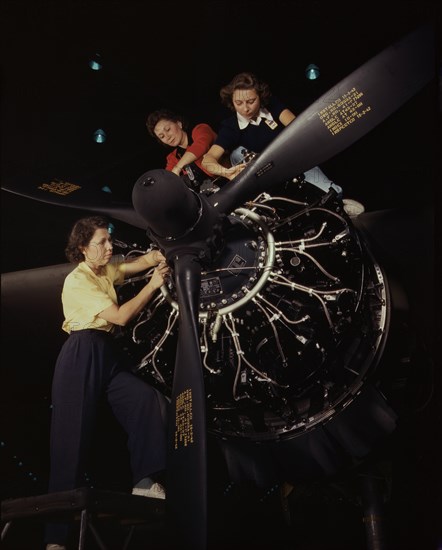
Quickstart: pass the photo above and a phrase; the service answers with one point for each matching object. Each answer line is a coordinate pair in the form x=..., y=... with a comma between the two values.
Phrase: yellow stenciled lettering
x=59, y=187
x=184, y=419
x=344, y=111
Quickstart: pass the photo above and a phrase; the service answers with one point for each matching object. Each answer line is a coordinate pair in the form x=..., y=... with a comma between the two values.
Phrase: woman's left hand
x=154, y=257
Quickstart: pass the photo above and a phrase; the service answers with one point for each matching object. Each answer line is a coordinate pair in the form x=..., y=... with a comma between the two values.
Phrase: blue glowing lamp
x=312, y=72
x=100, y=136
x=95, y=63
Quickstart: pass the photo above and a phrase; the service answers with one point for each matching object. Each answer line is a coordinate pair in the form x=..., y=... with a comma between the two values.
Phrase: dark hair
x=245, y=81
x=81, y=234
x=163, y=114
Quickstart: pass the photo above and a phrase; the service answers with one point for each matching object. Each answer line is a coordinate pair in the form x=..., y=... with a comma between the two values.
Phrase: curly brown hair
x=245, y=81
x=163, y=114
x=81, y=234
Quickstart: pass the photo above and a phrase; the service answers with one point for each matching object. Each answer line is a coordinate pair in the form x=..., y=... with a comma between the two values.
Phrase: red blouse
x=203, y=138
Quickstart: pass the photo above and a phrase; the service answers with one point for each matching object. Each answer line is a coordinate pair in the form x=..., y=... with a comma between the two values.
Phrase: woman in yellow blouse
x=88, y=368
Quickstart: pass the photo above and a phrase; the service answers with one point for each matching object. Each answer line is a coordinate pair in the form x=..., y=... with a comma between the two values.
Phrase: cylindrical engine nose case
x=178, y=219
x=165, y=202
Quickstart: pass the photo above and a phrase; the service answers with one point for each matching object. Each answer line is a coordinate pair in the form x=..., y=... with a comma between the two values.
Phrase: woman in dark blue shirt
x=259, y=118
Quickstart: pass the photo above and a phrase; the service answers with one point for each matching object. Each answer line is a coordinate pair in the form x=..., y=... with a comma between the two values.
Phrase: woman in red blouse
x=188, y=146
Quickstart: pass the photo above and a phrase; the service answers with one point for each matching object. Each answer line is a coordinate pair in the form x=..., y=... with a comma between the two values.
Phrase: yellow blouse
x=86, y=294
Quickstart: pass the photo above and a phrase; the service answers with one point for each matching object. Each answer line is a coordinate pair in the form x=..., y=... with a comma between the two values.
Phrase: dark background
x=178, y=55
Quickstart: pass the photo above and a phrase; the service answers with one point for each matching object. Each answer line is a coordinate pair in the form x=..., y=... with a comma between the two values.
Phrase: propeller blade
x=70, y=195
x=186, y=502
x=188, y=230
x=338, y=118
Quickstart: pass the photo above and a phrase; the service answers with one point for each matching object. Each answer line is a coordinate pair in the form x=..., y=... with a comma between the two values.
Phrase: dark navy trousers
x=88, y=369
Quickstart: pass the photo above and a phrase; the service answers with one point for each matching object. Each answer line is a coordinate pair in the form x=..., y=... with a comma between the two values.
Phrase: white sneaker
x=353, y=208
x=149, y=488
x=55, y=547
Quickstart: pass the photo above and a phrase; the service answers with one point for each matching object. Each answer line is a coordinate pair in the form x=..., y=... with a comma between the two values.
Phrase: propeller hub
x=178, y=219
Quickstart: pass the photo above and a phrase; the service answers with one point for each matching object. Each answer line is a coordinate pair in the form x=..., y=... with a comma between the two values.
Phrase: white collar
x=244, y=122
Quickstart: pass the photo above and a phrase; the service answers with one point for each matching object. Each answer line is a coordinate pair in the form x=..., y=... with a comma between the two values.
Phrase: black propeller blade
x=338, y=118
x=186, y=228
x=73, y=195
x=186, y=502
